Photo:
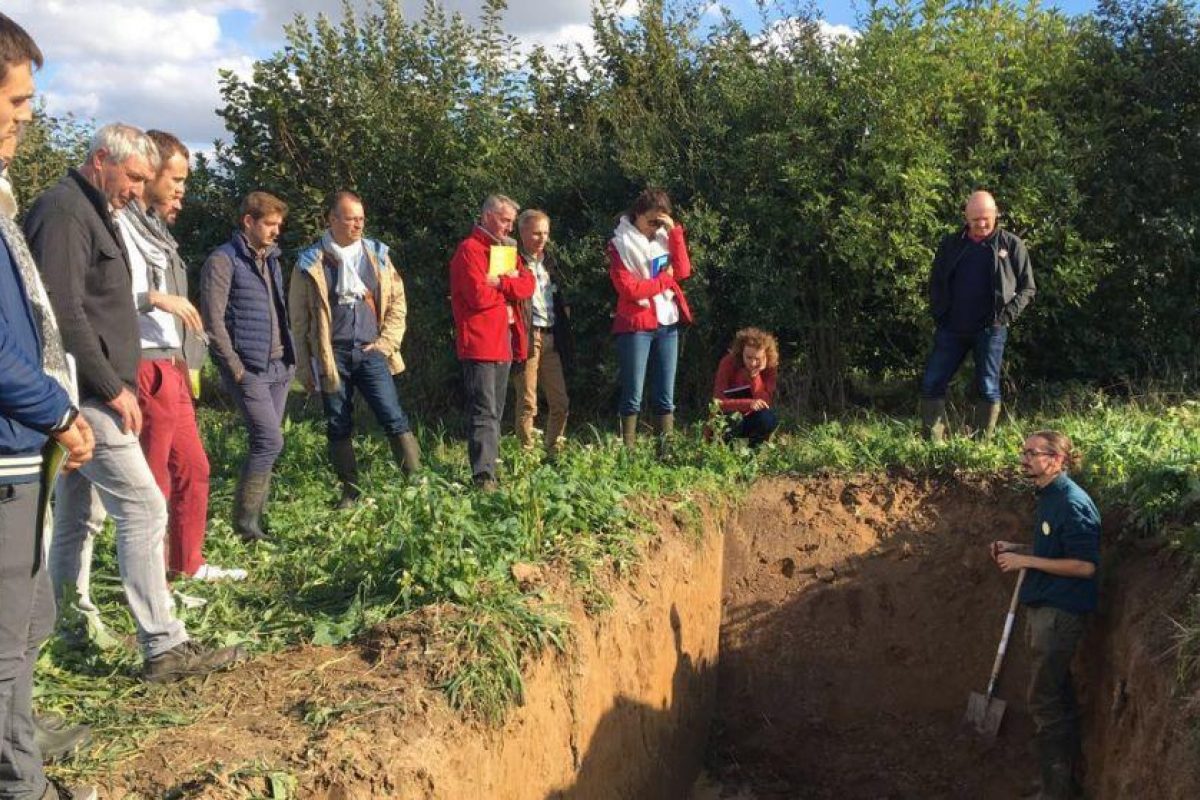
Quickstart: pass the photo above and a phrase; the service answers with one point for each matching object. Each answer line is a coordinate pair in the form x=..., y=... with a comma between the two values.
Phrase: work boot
x=986, y=416
x=189, y=659
x=664, y=426
x=345, y=466
x=407, y=452
x=57, y=791
x=933, y=420
x=629, y=430
x=249, y=500
x=55, y=741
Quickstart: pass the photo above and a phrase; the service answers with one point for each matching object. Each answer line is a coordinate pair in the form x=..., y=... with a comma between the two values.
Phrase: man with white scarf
x=348, y=316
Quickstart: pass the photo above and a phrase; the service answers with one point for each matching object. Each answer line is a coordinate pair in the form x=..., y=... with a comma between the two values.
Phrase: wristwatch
x=64, y=424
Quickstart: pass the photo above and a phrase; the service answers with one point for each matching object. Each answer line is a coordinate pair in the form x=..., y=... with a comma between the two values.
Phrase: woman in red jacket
x=745, y=384
x=647, y=259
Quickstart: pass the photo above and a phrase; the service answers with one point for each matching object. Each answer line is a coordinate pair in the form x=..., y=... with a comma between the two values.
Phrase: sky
x=154, y=63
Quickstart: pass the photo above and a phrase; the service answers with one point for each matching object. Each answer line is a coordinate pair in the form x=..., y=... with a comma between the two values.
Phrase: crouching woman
x=745, y=385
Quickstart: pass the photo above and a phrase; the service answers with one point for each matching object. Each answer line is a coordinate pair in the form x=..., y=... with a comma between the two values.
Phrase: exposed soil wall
x=625, y=713
x=860, y=614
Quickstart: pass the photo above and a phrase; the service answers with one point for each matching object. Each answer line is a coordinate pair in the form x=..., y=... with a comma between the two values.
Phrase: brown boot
x=933, y=420
x=986, y=417
x=629, y=430
x=407, y=452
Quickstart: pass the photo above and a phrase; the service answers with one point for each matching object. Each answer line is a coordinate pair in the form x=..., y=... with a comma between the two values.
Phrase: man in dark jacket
x=981, y=282
x=74, y=238
x=245, y=313
x=35, y=403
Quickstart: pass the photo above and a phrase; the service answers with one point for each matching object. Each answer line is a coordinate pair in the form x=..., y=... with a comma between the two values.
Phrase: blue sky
x=154, y=63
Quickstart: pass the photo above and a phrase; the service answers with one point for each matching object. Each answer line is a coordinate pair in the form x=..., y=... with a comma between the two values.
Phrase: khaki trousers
x=543, y=368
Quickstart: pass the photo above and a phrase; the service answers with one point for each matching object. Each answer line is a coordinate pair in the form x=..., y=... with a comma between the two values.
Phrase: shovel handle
x=1008, y=626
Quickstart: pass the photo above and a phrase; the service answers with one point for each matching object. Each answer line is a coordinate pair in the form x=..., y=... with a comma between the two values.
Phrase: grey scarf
x=54, y=357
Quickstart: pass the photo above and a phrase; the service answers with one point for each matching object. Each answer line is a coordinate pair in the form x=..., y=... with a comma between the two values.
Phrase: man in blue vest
x=245, y=314
x=981, y=282
x=35, y=403
x=1059, y=593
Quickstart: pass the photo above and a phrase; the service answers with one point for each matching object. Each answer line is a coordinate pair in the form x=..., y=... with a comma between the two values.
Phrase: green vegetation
x=333, y=575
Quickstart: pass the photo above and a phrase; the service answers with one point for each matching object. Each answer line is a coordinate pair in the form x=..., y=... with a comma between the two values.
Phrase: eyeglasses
x=1032, y=453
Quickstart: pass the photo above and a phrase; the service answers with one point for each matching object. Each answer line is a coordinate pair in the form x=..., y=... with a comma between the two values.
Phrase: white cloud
x=782, y=33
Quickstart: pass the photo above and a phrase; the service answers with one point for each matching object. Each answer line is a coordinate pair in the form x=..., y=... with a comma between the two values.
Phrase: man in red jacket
x=487, y=280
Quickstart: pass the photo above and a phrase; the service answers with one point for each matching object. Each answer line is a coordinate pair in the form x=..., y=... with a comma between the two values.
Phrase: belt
x=173, y=360
x=544, y=328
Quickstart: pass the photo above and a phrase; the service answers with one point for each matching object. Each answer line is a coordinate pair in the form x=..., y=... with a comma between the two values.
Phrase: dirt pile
x=858, y=616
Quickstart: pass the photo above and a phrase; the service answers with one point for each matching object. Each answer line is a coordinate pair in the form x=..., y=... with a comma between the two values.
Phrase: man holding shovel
x=1058, y=592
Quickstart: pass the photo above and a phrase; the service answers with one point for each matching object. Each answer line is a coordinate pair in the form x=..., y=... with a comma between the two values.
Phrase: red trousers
x=171, y=442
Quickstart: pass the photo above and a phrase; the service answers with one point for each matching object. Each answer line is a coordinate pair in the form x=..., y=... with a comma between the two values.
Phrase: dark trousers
x=486, y=383
x=369, y=374
x=949, y=350
x=26, y=619
x=1053, y=636
x=261, y=398
x=757, y=426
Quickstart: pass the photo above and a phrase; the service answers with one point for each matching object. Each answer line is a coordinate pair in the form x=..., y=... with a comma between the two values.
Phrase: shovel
x=984, y=711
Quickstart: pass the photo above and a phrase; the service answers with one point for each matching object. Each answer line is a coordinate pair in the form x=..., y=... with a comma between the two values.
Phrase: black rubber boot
x=407, y=452
x=345, y=466
x=249, y=501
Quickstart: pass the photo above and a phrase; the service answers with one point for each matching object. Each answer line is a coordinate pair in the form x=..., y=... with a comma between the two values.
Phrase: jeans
x=542, y=369
x=175, y=454
x=369, y=373
x=1053, y=636
x=26, y=619
x=486, y=383
x=121, y=477
x=757, y=426
x=261, y=398
x=949, y=350
x=660, y=349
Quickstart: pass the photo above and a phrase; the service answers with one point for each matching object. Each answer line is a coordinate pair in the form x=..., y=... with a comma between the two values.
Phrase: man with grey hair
x=487, y=280
x=74, y=238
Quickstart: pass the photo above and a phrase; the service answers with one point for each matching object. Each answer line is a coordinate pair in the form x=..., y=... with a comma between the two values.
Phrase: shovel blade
x=984, y=714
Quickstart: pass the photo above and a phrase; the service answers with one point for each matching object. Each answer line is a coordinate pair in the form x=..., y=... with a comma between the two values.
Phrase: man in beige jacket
x=347, y=310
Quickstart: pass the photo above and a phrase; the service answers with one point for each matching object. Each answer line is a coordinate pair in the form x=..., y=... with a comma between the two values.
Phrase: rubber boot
x=664, y=426
x=629, y=430
x=407, y=452
x=933, y=420
x=249, y=500
x=345, y=466
x=986, y=417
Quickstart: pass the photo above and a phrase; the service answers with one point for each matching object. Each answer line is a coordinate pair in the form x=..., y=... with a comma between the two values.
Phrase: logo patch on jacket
x=1045, y=528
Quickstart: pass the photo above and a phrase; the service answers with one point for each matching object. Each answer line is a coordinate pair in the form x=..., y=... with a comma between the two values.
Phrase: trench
x=859, y=614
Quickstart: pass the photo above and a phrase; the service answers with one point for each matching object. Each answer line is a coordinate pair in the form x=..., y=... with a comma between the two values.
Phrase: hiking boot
x=406, y=450
x=56, y=741
x=189, y=659
x=57, y=791
x=249, y=500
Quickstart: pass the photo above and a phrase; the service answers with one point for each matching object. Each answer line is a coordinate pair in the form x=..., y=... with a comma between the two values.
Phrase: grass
x=332, y=575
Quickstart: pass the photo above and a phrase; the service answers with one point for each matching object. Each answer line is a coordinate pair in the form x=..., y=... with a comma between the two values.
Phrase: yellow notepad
x=502, y=260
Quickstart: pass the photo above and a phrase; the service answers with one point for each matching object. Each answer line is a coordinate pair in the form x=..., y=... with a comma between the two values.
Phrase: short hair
x=16, y=47
x=123, y=142
x=168, y=145
x=650, y=199
x=757, y=338
x=495, y=202
x=1060, y=445
x=337, y=197
x=261, y=204
x=530, y=216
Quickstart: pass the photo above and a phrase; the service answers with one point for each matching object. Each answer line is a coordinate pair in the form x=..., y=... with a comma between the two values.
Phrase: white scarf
x=350, y=286
x=8, y=198
x=637, y=252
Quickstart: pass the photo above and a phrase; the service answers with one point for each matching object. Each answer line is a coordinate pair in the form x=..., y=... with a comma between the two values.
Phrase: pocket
x=154, y=383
